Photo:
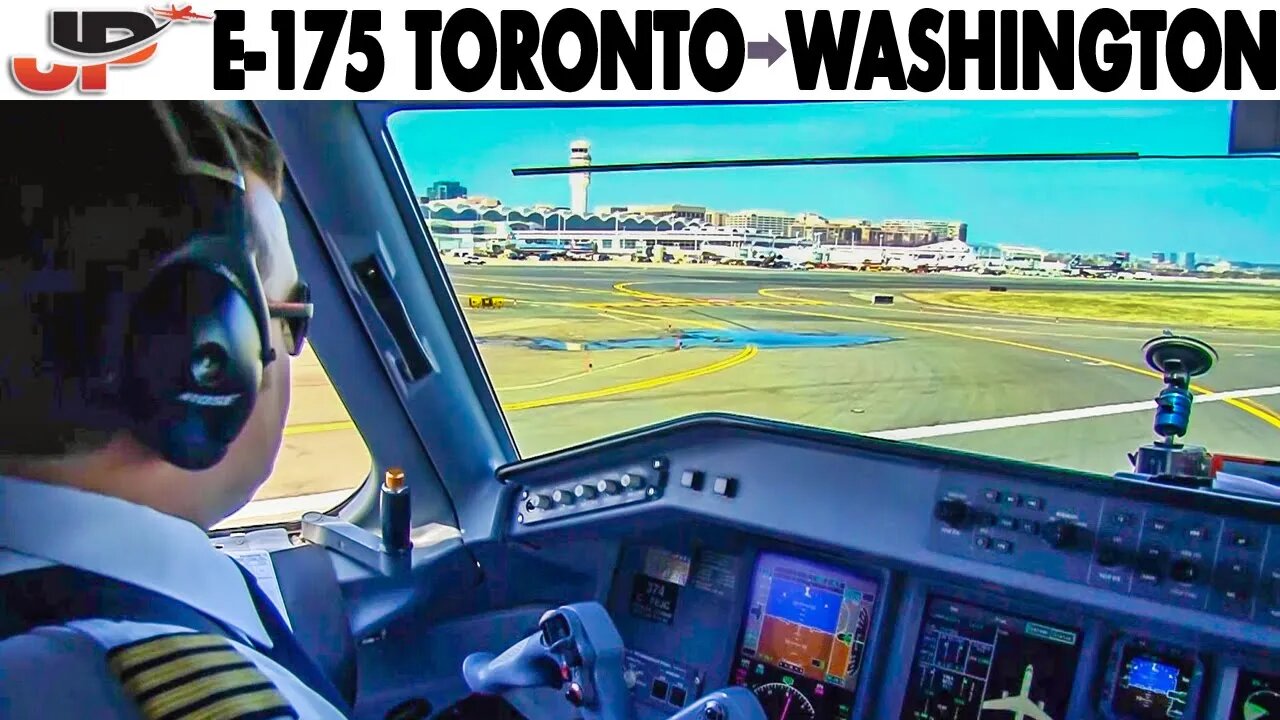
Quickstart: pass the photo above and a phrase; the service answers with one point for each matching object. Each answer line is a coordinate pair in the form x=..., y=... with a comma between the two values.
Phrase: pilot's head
x=87, y=185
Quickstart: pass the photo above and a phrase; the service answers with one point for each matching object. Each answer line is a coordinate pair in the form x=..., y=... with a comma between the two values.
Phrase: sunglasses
x=296, y=313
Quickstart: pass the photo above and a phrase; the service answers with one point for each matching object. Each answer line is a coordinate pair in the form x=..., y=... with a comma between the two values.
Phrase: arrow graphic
x=769, y=50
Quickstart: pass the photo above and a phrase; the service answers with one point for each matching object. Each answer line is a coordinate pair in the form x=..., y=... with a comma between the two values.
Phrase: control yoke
x=578, y=649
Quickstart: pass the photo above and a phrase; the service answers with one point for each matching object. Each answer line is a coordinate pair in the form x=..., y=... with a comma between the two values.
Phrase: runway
x=1059, y=391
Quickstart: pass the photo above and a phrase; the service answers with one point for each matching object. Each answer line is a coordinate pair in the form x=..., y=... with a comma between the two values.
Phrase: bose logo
x=208, y=400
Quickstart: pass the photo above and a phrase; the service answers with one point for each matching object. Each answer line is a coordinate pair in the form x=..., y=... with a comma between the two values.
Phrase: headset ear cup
x=193, y=367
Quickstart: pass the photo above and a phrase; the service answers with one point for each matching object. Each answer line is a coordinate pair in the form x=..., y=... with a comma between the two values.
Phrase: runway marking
x=578, y=375
x=746, y=354
x=939, y=312
x=1265, y=415
x=1113, y=321
x=1142, y=337
x=1000, y=423
x=710, y=302
x=541, y=286
x=620, y=318
x=671, y=321
x=624, y=288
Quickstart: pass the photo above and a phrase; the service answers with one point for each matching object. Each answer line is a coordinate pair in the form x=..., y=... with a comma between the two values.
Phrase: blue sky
x=1228, y=208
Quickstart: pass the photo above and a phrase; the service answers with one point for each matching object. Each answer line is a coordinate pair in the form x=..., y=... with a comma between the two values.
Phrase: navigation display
x=1257, y=697
x=972, y=662
x=804, y=638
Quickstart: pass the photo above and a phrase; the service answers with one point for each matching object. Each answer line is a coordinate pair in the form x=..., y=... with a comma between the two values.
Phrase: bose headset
x=182, y=358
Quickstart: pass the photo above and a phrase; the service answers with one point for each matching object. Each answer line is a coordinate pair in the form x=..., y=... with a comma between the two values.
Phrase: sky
x=1227, y=208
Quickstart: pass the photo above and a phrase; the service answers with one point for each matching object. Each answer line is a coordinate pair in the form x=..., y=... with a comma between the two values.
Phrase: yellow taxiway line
x=577, y=375
x=648, y=383
x=1253, y=409
x=746, y=354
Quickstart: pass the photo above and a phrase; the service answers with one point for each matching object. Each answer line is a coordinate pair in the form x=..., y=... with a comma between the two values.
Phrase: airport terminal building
x=469, y=224
x=458, y=222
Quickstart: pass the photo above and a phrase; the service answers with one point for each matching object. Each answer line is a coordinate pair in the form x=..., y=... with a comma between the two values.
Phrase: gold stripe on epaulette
x=195, y=676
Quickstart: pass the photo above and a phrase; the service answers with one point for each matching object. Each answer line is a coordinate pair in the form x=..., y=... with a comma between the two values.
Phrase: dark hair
x=256, y=152
x=89, y=201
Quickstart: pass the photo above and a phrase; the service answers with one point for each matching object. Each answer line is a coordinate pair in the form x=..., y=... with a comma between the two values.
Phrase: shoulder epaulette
x=195, y=676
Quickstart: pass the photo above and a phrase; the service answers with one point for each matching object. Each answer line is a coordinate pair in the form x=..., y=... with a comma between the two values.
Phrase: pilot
x=150, y=304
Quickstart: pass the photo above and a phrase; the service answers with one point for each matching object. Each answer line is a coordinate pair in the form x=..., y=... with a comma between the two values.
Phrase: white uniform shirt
x=61, y=672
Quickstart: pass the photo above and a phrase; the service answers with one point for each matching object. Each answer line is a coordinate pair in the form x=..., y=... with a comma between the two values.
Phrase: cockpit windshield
x=996, y=305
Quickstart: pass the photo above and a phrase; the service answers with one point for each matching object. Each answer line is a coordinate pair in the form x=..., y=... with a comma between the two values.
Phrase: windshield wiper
x=876, y=160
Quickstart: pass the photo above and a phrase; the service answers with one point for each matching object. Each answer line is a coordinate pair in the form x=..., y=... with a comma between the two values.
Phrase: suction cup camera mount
x=1178, y=359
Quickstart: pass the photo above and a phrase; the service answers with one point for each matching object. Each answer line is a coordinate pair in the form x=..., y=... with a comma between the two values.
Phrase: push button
x=691, y=479
x=724, y=486
x=677, y=696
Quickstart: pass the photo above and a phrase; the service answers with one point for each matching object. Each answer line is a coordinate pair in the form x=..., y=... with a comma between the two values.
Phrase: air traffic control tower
x=579, y=156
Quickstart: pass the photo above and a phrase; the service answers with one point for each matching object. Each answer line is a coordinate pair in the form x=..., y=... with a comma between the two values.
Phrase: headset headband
x=215, y=191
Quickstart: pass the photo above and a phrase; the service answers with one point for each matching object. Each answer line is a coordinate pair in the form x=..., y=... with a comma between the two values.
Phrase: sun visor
x=1255, y=127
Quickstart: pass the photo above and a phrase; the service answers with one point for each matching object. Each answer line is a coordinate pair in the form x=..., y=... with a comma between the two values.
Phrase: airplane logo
x=1021, y=704
x=105, y=38
x=178, y=14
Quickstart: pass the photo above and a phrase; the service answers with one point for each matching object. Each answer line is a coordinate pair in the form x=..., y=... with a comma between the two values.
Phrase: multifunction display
x=972, y=662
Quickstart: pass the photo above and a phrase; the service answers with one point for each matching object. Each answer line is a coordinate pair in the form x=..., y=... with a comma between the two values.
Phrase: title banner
x=672, y=51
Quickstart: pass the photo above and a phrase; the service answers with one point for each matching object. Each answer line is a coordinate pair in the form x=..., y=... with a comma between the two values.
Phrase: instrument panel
x=844, y=577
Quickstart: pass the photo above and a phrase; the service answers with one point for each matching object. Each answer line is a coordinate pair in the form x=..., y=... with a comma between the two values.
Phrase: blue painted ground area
x=763, y=339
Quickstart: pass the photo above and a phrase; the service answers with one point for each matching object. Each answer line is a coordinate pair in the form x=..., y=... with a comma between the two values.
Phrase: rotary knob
x=1061, y=534
x=951, y=511
x=538, y=502
x=609, y=487
x=631, y=481
x=584, y=491
x=562, y=497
